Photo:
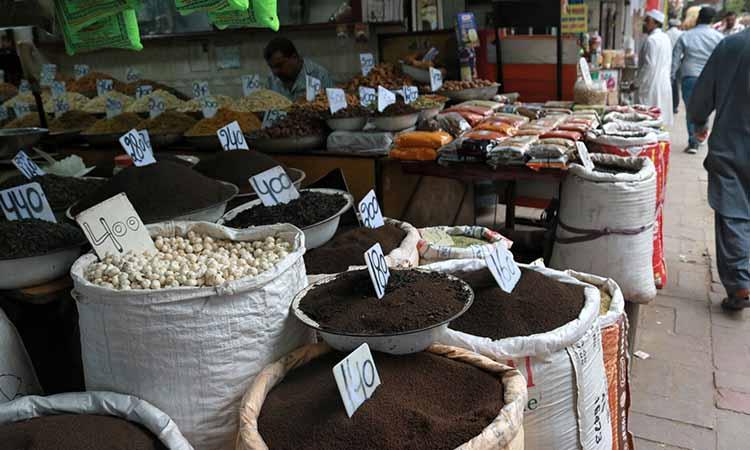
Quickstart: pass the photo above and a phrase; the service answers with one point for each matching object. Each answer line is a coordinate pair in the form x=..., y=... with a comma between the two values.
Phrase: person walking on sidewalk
x=653, y=85
x=674, y=32
x=724, y=87
x=689, y=56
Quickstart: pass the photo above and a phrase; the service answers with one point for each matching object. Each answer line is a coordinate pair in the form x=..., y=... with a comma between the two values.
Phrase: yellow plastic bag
x=417, y=139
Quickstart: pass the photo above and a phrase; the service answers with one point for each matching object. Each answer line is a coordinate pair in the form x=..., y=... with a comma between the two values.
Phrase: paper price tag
x=431, y=54
x=24, y=87
x=58, y=89
x=376, y=265
x=436, y=79
x=138, y=146
x=385, y=98
x=143, y=90
x=366, y=62
x=3, y=113
x=61, y=106
x=367, y=96
x=410, y=94
x=583, y=65
x=113, y=227
x=584, y=156
x=369, y=211
x=209, y=107
x=231, y=137
x=132, y=74
x=20, y=109
x=357, y=378
x=312, y=87
x=113, y=107
x=80, y=71
x=27, y=166
x=502, y=266
x=48, y=74
x=271, y=117
x=336, y=99
x=250, y=84
x=156, y=106
x=103, y=86
x=200, y=89
x=26, y=202
x=274, y=186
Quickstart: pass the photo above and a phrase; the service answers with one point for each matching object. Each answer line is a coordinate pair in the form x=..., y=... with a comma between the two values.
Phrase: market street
x=693, y=392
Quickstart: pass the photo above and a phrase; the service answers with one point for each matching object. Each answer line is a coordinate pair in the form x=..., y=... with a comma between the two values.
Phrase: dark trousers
x=733, y=252
x=675, y=95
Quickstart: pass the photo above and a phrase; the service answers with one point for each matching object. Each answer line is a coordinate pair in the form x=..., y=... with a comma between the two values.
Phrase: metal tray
x=13, y=139
x=394, y=343
x=395, y=123
x=292, y=144
x=429, y=113
x=103, y=140
x=161, y=141
x=483, y=93
x=64, y=137
x=30, y=271
x=346, y=123
x=204, y=143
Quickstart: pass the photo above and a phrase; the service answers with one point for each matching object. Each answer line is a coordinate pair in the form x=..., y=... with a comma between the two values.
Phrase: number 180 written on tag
x=274, y=186
x=357, y=378
x=503, y=267
x=378, y=268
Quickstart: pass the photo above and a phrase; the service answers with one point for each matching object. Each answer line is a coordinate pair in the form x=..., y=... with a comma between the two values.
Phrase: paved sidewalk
x=694, y=390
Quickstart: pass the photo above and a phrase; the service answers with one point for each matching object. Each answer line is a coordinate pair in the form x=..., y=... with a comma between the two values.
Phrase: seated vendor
x=289, y=69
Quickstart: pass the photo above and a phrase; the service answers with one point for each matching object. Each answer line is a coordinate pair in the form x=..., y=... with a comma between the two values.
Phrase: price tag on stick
x=113, y=107
x=271, y=117
x=312, y=87
x=132, y=74
x=583, y=155
x=436, y=79
x=336, y=99
x=367, y=96
x=26, y=202
x=138, y=145
x=80, y=71
x=58, y=89
x=24, y=87
x=48, y=74
x=200, y=89
x=103, y=86
x=502, y=266
x=385, y=98
x=20, y=109
x=366, y=62
x=113, y=227
x=583, y=66
x=209, y=107
x=156, y=106
x=274, y=186
x=250, y=84
x=376, y=265
x=231, y=137
x=357, y=378
x=369, y=211
x=61, y=106
x=143, y=90
x=27, y=166
x=411, y=93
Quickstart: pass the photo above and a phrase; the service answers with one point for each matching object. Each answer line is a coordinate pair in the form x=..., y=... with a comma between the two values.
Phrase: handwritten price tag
x=3, y=113
x=27, y=166
x=583, y=66
x=24, y=87
x=209, y=107
x=366, y=62
x=378, y=268
x=20, y=109
x=156, y=106
x=138, y=146
x=312, y=87
x=385, y=98
x=113, y=107
x=48, y=74
x=410, y=94
x=274, y=186
x=357, y=378
x=502, y=266
x=80, y=71
x=26, y=202
x=336, y=99
x=367, y=96
x=436, y=79
x=143, y=90
x=61, y=106
x=132, y=74
x=250, y=84
x=103, y=86
x=58, y=89
x=369, y=211
x=271, y=117
x=200, y=89
x=584, y=156
x=113, y=227
x=231, y=137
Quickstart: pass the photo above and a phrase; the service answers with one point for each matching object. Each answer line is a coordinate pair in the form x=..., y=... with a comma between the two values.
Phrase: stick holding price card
x=274, y=186
x=357, y=378
x=378, y=268
x=369, y=211
x=502, y=266
x=26, y=202
x=231, y=137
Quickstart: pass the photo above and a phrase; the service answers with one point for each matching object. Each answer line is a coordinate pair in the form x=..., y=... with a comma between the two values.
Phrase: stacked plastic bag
x=111, y=23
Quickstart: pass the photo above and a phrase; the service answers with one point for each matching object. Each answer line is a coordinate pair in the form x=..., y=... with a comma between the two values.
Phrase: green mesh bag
x=114, y=31
x=78, y=14
x=186, y=7
x=261, y=13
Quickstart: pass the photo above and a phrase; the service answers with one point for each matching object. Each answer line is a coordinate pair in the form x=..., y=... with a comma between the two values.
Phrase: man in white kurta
x=654, y=79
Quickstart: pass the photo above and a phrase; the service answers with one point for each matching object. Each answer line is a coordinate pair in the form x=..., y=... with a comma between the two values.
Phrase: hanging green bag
x=186, y=7
x=78, y=14
x=115, y=31
x=261, y=13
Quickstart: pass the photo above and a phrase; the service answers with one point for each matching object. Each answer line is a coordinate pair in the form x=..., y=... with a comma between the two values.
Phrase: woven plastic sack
x=568, y=406
x=123, y=406
x=78, y=14
x=116, y=31
x=614, y=326
x=17, y=375
x=260, y=14
x=431, y=252
x=192, y=352
x=186, y=7
x=504, y=433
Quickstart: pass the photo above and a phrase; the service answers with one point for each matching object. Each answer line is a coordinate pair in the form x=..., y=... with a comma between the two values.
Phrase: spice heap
x=397, y=109
x=27, y=98
x=248, y=122
x=131, y=88
x=160, y=191
x=196, y=104
x=75, y=100
x=424, y=401
x=86, y=85
x=346, y=248
x=7, y=90
x=33, y=237
x=30, y=120
x=429, y=101
x=353, y=110
x=261, y=100
x=454, y=85
x=413, y=300
x=538, y=304
x=141, y=105
x=385, y=74
x=310, y=208
x=168, y=122
x=192, y=261
x=72, y=121
x=237, y=167
x=78, y=432
x=121, y=123
x=98, y=105
x=298, y=123
x=61, y=192
x=320, y=104
x=605, y=303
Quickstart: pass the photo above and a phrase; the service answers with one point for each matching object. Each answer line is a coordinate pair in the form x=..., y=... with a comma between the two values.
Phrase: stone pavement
x=693, y=392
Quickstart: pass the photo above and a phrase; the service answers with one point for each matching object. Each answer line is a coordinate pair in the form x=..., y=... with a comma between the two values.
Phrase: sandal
x=735, y=303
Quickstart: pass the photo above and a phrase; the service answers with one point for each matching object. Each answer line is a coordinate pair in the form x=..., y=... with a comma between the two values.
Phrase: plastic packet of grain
x=78, y=14
x=186, y=7
x=261, y=13
x=116, y=31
